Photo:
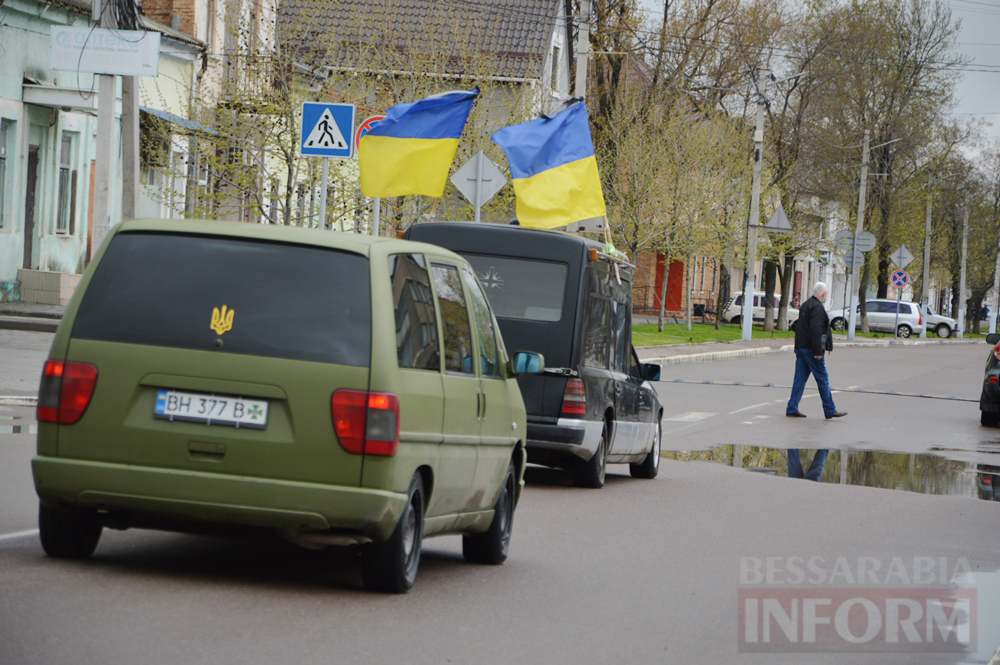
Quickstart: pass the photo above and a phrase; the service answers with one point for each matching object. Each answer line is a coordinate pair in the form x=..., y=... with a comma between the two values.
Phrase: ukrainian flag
x=410, y=151
x=554, y=169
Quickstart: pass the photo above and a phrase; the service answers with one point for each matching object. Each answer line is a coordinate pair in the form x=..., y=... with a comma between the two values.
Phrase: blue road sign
x=899, y=279
x=327, y=130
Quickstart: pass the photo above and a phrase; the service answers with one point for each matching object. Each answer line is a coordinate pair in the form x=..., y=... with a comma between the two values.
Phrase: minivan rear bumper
x=206, y=497
x=568, y=437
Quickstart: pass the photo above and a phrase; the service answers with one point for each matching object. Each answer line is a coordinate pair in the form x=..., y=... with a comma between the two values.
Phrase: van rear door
x=220, y=355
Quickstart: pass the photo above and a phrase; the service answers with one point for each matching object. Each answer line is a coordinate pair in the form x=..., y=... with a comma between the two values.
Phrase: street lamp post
x=961, y=280
x=925, y=295
x=862, y=191
x=751, y=278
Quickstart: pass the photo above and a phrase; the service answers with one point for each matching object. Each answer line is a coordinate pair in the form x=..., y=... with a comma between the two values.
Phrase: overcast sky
x=978, y=91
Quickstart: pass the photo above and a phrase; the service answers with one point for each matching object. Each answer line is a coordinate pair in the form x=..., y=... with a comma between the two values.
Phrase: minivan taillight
x=574, y=398
x=920, y=318
x=366, y=423
x=996, y=351
x=65, y=391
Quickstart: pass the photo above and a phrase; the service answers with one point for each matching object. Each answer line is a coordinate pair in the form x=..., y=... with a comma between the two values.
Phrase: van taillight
x=366, y=423
x=996, y=351
x=574, y=398
x=920, y=318
x=65, y=391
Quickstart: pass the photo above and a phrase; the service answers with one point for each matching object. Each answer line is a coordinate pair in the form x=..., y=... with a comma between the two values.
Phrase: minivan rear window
x=230, y=295
x=522, y=288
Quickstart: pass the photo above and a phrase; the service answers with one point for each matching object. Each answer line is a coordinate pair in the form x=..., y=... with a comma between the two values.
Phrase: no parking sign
x=899, y=279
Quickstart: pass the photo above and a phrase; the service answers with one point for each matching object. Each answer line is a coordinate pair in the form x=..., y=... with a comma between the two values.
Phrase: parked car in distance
x=732, y=312
x=559, y=294
x=337, y=388
x=989, y=398
x=882, y=317
x=942, y=326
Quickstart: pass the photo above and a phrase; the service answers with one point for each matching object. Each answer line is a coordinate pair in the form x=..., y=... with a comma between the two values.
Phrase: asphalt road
x=638, y=572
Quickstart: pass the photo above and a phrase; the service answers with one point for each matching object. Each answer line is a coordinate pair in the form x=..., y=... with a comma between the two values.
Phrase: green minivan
x=341, y=389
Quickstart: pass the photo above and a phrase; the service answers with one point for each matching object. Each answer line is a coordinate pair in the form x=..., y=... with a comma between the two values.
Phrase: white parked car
x=940, y=325
x=883, y=314
x=733, y=311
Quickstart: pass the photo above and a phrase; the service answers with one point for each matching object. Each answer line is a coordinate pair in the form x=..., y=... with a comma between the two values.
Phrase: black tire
x=392, y=566
x=736, y=320
x=839, y=324
x=943, y=330
x=649, y=467
x=68, y=535
x=492, y=546
x=904, y=330
x=989, y=418
x=592, y=472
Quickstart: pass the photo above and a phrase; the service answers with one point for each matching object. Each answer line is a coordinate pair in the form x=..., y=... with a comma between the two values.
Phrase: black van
x=559, y=294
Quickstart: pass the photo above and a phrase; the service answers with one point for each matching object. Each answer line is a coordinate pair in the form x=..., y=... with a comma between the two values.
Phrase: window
x=554, y=69
x=3, y=173
x=416, y=321
x=522, y=288
x=454, y=320
x=67, y=187
x=162, y=289
x=489, y=359
x=597, y=321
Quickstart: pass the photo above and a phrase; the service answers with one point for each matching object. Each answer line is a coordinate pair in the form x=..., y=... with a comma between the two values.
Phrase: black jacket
x=813, y=328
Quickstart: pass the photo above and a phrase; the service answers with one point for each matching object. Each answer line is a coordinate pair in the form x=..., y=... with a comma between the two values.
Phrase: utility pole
x=582, y=50
x=996, y=294
x=104, y=156
x=862, y=191
x=751, y=278
x=925, y=295
x=961, y=279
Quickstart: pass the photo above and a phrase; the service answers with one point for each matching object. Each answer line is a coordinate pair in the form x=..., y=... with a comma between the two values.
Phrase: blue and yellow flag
x=554, y=169
x=410, y=151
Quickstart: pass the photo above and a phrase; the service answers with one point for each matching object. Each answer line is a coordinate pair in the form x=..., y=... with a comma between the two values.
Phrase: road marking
x=19, y=534
x=756, y=420
x=691, y=417
x=755, y=406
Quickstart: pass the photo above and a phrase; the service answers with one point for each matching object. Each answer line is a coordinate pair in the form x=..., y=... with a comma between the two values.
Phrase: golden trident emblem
x=222, y=320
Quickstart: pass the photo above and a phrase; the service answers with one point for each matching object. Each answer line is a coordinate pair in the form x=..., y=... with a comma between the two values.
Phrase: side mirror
x=993, y=338
x=651, y=371
x=526, y=362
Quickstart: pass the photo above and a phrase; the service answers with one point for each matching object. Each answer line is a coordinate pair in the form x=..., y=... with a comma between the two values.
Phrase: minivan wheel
x=67, y=535
x=905, y=331
x=839, y=324
x=649, y=467
x=591, y=473
x=989, y=418
x=943, y=330
x=492, y=546
x=392, y=566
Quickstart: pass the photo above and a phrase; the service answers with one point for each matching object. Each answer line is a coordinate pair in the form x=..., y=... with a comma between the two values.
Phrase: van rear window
x=230, y=295
x=522, y=288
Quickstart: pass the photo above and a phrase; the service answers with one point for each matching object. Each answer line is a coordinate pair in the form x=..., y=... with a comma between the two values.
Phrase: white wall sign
x=101, y=51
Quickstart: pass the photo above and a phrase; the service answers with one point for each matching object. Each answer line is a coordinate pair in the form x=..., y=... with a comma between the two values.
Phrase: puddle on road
x=926, y=474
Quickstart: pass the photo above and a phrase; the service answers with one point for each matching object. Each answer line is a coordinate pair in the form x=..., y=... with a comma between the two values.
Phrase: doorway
x=29, y=207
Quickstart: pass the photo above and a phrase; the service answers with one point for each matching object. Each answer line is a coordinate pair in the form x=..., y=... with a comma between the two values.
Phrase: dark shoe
x=836, y=414
x=796, y=415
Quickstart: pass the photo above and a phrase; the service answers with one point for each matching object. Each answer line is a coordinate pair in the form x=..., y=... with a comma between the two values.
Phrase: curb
x=29, y=323
x=18, y=401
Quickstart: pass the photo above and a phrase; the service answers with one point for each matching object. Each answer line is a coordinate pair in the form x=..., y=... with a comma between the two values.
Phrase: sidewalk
x=30, y=316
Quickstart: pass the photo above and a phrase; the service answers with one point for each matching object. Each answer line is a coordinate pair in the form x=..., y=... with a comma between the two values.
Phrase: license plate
x=210, y=409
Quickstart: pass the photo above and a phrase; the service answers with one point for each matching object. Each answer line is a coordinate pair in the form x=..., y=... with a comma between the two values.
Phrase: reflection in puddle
x=926, y=474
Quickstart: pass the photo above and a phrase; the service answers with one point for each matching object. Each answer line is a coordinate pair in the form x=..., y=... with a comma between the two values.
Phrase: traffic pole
x=853, y=312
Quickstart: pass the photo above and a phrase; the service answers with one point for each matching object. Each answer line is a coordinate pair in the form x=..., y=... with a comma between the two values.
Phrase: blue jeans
x=815, y=469
x=805, y=364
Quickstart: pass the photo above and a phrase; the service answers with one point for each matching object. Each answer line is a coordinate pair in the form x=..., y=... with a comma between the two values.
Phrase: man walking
x=812, y=341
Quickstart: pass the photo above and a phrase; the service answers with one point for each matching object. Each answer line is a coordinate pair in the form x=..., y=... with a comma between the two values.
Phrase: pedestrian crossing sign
x=327, y=130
